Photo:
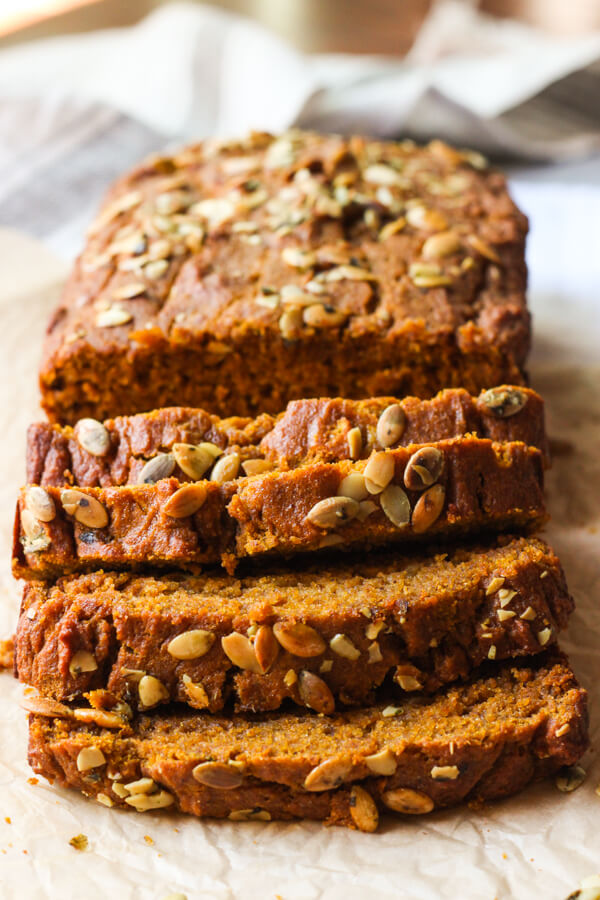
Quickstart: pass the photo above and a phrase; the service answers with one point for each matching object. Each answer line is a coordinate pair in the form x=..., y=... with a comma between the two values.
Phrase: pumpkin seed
x=84, y=508
x=298, y=259
x=195, y=460
x=151, y=691
x=407, y=801
x=299, y=639
x=503, y=402
x=221, y=776
x=93, y=436
x=226, y=468
x=482, y=248
x=380, y=173
x=250, y=815
x=425, y=219
x=428, y=508
x=353, y=486
x=315, y=693
x=290, y=323
x=391, y=425
x=144, y=802
x=40, y=504
x=444, y=243
x=327, y=775
x=392, y=228
x=570, y=778
x=396, y=505
x=157, y=468
x=257, y=466
x=332, y=512
x=319, y=316
x=379, y=471
x=240, y=650
x=186, y=501
x=423, y=468
x=113, y=316
x=191, y=644
x=363, y=809
x=266, y=647
x=82, y=661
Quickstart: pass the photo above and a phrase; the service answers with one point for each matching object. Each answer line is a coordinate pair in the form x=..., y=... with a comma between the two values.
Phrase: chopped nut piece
x=544, y=636
x=529, y=614
x=382, y=763
x=494, y=585
x=343, y=646
x=79, y=842
x=445, y=773
x=90, y=758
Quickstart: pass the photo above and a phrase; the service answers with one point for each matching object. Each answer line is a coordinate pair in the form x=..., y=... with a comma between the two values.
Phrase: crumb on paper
x=33, y=780
x=8, y=820
x=149, y=840
x=7, y=650
x=79, y=842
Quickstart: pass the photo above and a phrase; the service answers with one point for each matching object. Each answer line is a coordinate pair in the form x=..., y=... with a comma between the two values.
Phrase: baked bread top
x=254, y=251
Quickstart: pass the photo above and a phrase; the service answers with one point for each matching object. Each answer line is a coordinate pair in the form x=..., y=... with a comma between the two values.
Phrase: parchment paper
x=538, y=845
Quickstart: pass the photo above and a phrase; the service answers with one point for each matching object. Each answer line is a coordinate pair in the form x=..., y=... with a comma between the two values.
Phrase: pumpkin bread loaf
x=319, y=636
x=237, y=276
x=451, y=488
x=509, y=725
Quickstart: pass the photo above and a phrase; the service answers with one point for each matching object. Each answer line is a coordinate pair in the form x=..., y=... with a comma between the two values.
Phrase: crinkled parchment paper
x=538, y=845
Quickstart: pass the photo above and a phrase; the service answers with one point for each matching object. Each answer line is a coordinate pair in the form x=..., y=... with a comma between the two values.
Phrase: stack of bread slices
x=277, y=534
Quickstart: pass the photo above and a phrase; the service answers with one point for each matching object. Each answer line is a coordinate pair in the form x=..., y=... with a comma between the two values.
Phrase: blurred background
x=348, y=26
x=90, y=87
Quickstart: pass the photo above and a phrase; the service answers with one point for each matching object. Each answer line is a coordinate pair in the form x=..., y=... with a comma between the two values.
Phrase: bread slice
x=240, y=276
x=122, y=450
x=454, y=487
x=481, y=741
x=320, y=636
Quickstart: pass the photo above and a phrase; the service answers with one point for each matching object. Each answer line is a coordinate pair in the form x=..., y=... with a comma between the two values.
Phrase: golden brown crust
x=308, y=431
x=423, y=620
x=480, y=741
x=191, y=292
x=481, y=486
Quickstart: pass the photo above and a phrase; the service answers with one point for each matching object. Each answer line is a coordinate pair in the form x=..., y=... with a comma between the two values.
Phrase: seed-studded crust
x=424, y=620
x=482, y=486
x=235, y=277
x=481, y=741
x=308, y=431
